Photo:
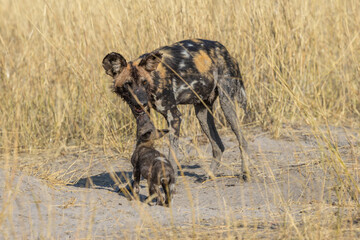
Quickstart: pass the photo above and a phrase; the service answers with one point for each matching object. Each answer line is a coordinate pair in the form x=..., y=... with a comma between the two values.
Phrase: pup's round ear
x=165, y=131
x=113, y=63
x=151, y=61
x=161, y=133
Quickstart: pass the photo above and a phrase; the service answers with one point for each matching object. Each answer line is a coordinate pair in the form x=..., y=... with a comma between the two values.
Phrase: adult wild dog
x=188, y=72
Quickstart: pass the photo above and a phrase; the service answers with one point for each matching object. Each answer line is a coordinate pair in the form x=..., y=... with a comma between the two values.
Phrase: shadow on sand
x=121, y=182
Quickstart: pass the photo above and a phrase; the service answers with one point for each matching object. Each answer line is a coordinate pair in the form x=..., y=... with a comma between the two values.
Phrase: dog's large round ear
x=151, y=61
x=113, y=63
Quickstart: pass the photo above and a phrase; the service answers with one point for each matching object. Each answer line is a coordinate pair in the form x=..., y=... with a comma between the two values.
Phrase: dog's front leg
x=173, y=117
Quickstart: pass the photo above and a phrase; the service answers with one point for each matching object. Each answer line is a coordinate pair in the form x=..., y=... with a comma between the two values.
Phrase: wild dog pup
x=150, y=163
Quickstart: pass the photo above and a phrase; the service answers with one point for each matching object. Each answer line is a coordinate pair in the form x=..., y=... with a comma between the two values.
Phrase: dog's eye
x=144, y=82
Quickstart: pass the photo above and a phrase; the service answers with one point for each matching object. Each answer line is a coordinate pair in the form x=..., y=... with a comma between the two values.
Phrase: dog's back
x=150, y=162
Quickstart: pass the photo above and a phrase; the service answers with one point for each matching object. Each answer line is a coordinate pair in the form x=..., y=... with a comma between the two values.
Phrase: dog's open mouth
x=139, y=109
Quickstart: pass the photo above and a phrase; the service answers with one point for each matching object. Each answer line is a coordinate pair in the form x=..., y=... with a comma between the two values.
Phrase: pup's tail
x=168, y=184
x=168, y=181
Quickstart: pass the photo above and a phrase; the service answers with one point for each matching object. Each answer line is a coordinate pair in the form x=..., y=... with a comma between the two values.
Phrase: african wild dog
x=187, y=72
x=150, y=163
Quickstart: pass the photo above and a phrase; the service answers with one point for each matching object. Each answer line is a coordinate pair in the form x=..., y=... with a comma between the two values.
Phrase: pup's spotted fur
x=150, y=163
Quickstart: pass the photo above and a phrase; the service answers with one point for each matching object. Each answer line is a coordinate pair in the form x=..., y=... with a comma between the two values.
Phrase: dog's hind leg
x=167, y=187
x=154, y=189
x=208, y=126
x=228, y=107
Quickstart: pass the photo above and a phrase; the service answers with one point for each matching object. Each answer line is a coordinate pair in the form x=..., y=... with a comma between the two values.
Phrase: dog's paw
x=246, y=176
x=205, y=178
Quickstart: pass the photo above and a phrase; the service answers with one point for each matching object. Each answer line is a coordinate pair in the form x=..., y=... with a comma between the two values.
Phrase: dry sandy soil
x=290, y=178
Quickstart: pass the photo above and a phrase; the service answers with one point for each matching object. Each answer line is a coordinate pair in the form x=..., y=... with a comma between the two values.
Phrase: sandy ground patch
x=290, y=179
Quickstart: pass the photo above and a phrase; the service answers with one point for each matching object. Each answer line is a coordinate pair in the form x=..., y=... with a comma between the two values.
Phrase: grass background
x=292, y=54
x=300, y=62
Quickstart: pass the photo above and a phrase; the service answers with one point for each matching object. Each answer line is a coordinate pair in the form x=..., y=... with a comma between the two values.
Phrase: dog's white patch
x=216, y=76
x=174, y=85
x=185, y=53
x=197, y=82
x=180, y=90
x=159, y=106
x=172, y=189
x=243, y=93
x=175, y=88
x=170, y=117
x=182, y=64
x=162, y=159
x=216, y=79
x=193, y=84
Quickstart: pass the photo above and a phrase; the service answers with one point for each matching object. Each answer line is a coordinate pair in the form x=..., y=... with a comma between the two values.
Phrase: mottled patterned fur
x=188, y=72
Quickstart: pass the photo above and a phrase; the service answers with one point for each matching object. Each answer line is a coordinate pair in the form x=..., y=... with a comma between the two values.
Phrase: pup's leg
x=160, y=198
x=136, y=183
x=154, y=189
x=167, y=192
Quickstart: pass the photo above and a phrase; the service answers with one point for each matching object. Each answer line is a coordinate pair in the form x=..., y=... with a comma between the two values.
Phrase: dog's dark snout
x=143, y=99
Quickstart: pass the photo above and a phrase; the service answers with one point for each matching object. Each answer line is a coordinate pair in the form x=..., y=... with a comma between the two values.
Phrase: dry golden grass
x=293, y=55
x=300, y=61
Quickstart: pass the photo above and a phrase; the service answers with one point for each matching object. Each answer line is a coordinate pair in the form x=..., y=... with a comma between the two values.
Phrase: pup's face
x=132, y=81
x=153, y=135
x=146, y=130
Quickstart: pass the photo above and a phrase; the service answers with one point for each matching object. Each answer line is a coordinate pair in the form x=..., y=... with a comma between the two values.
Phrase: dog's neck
x=147, y=144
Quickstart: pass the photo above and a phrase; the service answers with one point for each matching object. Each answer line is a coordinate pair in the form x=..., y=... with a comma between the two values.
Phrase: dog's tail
x=232, y=86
